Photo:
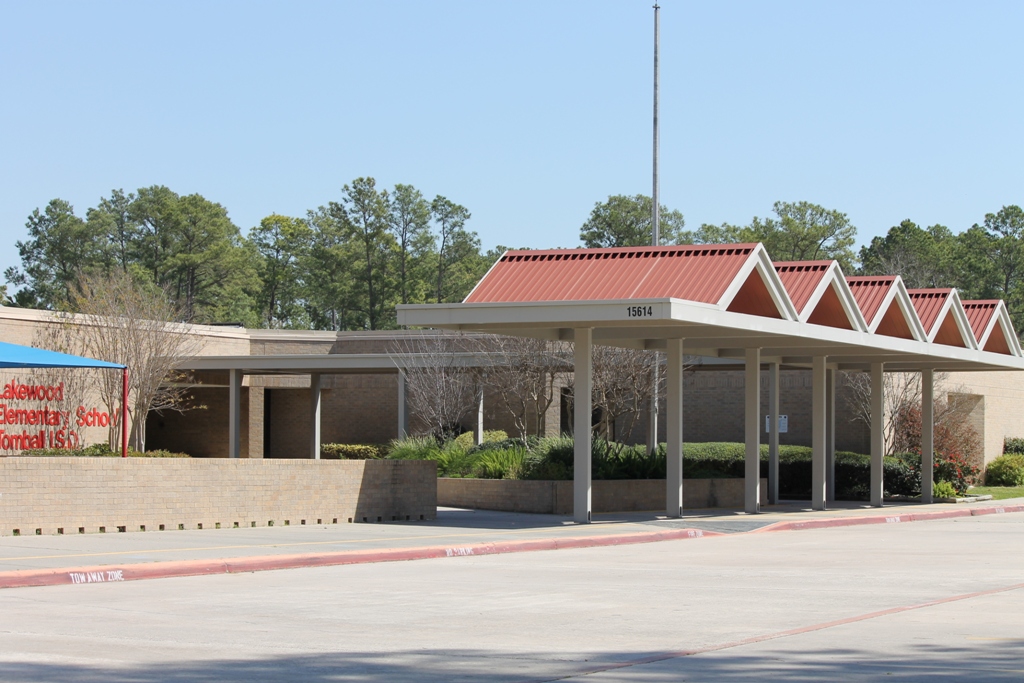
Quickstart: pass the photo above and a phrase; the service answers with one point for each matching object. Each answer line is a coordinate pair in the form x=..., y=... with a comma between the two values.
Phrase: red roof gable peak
x=991, y=326
x=820, y=293
x=979, y=313
x=929, y=304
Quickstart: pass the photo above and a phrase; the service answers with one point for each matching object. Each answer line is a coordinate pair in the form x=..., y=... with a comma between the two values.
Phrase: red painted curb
x=160, y=570
x=889, y=519
x=997, y=510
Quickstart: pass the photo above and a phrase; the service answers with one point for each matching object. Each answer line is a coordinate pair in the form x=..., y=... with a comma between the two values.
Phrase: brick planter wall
x=68, y=494
x=555, y=497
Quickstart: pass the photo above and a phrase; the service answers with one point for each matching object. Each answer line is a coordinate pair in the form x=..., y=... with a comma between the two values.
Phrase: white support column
x=674, y=429
x=234, y=413
x=478, y=426
x=927, y=435
x=773, y=433
x=877, y=433
x=752, y=432
x=652, y=406
x=314, y=406
x=582, y=413
x=830, y=434
x=819, y=409
x=403, y=407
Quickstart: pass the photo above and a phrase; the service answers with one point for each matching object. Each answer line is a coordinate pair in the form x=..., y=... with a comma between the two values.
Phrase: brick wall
x=555, y=497
x=202, y=429
x=66, y=495
x=713, y=410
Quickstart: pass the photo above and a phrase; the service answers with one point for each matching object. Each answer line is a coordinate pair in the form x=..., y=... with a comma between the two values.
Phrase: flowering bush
x=956, y=469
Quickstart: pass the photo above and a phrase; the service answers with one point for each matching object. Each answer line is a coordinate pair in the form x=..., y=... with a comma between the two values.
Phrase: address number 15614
x=640, y=311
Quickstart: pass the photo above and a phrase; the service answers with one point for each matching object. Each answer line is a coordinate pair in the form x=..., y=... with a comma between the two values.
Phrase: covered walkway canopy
x=732, y=301
x=317, y=365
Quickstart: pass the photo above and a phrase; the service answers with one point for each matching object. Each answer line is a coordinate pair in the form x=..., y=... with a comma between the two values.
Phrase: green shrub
x=505, y=463
x=511, y=443
x=413, y=448
x=99, y=451
x=466, y=440
x=1006, y=470
x=943, y=489
x=612, y=460
x=349, y=451
x=453, y=461
x=555, y=459
x=1013, y=445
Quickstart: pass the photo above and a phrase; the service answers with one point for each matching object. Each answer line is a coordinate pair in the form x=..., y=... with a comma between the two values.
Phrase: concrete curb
x=889, y=519
x=162, y=570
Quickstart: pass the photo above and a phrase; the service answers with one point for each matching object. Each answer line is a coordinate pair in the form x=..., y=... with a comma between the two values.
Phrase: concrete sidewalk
x=98, y=558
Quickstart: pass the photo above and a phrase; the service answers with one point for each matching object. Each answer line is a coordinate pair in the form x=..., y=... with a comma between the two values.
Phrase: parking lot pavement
x=931, y=601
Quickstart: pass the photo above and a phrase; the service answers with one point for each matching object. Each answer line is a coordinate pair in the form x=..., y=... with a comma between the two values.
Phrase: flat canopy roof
x=724, y=299
x=333, y=363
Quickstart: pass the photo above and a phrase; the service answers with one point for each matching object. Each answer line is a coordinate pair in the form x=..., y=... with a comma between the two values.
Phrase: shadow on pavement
x=988, y=661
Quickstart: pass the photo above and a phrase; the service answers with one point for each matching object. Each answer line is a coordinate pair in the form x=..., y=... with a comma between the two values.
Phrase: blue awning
x=16, y=356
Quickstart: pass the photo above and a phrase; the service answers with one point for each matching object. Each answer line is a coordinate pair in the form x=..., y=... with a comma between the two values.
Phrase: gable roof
x=738, y=278
x=820, y=294
x=991, y=326
x=943, y=317
x=723, y=300
x=886, y=306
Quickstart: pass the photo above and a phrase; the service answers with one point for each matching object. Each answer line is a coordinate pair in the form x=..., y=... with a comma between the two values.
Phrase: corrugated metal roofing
x=870, y=291
x=979, y=313
x=928, y=303
x=829, y=311
x=693, y=272
x=801, y=278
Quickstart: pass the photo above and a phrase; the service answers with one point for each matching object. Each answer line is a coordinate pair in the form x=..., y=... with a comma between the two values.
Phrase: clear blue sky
x=525, y=112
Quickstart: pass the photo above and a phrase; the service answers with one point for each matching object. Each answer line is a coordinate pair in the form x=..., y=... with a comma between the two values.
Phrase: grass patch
x=998, y=492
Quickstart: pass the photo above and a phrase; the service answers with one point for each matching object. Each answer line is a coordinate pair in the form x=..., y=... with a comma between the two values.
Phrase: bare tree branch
x=129, y=323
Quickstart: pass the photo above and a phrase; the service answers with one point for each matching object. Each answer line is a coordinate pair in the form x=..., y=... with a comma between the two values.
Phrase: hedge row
x=1013, y=445
x=350, y=451
x=98, y=451
x=553, y=458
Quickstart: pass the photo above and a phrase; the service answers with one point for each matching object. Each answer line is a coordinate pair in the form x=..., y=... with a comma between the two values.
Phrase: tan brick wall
x=555, y=497
x=50, y=494
x=998, y=414
x=202, y=429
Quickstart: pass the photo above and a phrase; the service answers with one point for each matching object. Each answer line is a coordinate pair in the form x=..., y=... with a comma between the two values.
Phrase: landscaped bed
x=551, y=459
x=98, y=450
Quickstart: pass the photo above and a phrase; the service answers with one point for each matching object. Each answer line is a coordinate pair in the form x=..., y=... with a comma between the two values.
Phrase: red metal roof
x=692, y=272
x=870, y=291
x=801, y=278
x=928, y=303
x=979, y=313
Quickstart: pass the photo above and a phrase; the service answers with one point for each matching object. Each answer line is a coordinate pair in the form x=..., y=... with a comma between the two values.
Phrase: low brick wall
x=555, y=497
x=87, y=495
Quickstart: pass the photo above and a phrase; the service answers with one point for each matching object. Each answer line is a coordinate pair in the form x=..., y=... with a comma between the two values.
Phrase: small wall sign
x=783, y=423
